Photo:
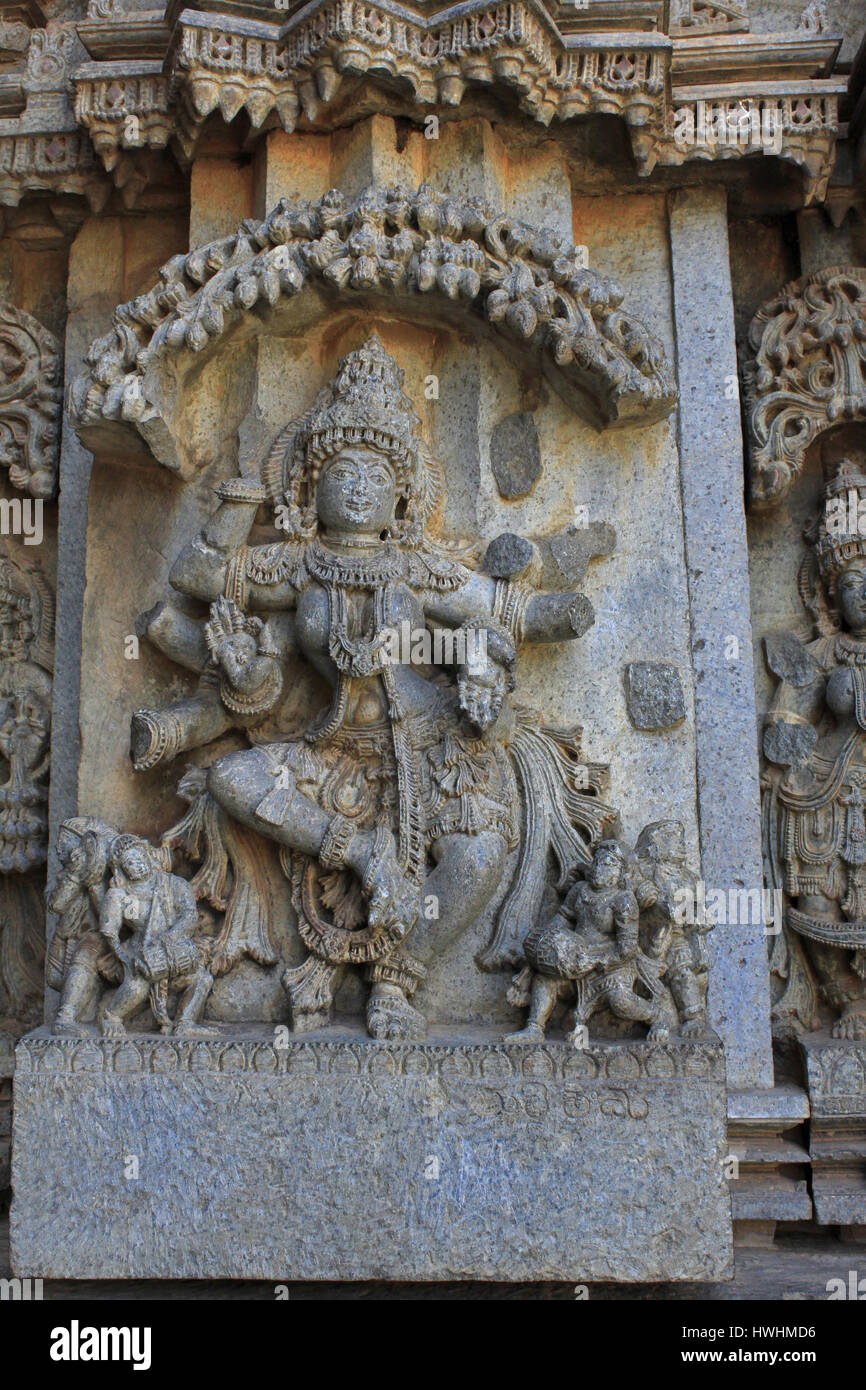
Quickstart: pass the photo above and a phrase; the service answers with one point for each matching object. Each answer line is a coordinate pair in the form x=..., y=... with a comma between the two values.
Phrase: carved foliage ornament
x=807, y=373
x=30, y=402
x=526, y=281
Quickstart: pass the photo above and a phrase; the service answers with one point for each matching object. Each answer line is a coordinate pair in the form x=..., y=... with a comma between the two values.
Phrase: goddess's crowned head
x=839, y=540
x=356, y=460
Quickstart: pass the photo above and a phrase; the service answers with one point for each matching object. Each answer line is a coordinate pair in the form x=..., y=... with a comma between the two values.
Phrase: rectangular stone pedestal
x=836, y=1075
x=351, y=1159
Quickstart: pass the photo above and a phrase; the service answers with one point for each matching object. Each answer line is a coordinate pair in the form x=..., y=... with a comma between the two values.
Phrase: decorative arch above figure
x=415, y=254
x=807, y=374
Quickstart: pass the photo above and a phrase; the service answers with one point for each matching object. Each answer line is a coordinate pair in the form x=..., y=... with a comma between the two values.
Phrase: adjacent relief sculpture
x=619, y=940
x=30, y=402
x=26, y=657
x=30, y=406
x=815, y=800
x=398, y=809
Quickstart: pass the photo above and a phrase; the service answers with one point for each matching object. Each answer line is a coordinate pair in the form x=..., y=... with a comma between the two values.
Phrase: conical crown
x=841, y=531
x=364, y=404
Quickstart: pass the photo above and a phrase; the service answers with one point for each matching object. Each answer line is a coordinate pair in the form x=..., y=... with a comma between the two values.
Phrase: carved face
x=605, y=870
x=852, y=595
x=135, y=863
x=70, y=850
x=481, y=693
x=24, y=724
x=356, y=492
x=670, y=843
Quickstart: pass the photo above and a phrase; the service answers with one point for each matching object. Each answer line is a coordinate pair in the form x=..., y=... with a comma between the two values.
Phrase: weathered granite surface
x=476, y=1160
x=836, y=1076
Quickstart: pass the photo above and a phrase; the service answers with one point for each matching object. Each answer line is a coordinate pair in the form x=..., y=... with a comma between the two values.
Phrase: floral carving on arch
x=30, y=402
x=525, y=284
x=807, y=373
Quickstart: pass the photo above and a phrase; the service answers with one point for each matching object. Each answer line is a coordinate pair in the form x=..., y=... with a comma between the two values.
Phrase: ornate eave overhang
x=42, y=149
x=724, y=106
x=708, y=89
x=681, y=97
x=297, y=68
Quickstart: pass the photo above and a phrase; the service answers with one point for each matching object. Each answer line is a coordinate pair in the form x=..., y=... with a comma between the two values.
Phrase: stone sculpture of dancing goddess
x=815, y=801
x=406, y=785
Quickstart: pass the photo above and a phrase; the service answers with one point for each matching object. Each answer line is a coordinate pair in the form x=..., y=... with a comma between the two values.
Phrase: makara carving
x=815, y=745
x=807, y=373
x=398, y=810
x=30, y=402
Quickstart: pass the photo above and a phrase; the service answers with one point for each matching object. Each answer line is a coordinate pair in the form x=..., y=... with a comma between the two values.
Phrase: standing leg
x=128, y=1000
x=196, y=988
x=543, y=996
x=468, y=870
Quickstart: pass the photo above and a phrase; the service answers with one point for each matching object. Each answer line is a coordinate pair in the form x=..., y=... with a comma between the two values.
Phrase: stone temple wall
x=432, y=636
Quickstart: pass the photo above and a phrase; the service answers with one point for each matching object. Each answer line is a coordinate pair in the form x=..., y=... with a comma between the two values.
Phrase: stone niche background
x=266, y=371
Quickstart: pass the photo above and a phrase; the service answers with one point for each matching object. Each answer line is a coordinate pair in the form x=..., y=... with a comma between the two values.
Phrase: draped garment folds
x=822, y=829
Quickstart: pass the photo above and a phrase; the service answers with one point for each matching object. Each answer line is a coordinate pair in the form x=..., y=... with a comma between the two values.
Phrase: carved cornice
x=30, y=402
x=52, y=163
x=799, y=123
x=527, y=282
x=806, y=373
x=159, y=76
x=129, y=109
x=42, y=150
x=299, y=67
x=622, y=1063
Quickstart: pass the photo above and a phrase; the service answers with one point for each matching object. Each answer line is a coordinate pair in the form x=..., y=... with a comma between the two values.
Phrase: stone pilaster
x=94, y=286
x=711, y=472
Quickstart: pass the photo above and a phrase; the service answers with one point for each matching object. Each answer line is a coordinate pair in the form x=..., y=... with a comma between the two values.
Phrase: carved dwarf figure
x=590, y=952
x=815, y=742
x=79, y=960
x=661, y=882
x=159, y=952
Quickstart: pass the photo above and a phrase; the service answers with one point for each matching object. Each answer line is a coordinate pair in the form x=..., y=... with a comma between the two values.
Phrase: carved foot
x=693, y=1028
x=309, y=1022
x=852, y=1025
x=390, y=1016
x=69, y=1028
x=111, y=1026
x=659, y=1032
x=195, y=1030
x=532, y=1033
x=493, y=958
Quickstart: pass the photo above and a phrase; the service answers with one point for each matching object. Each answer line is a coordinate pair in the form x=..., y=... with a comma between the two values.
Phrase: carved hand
x=245, y=672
